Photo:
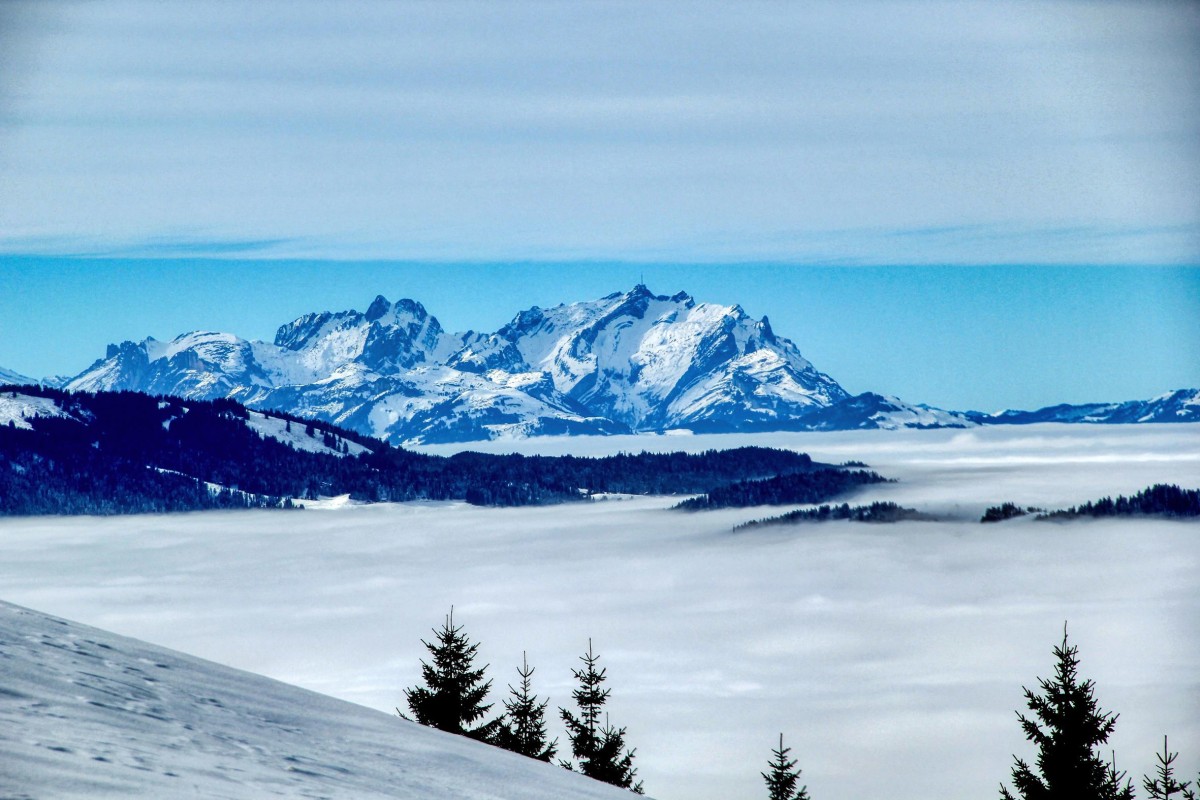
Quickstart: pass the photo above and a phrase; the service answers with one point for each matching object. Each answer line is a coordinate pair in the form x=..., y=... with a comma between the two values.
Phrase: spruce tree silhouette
x=600, y=749
x=1164, y=785
x=783, y=777
x=452, y=698
x=523, y=727
x=1067, y=727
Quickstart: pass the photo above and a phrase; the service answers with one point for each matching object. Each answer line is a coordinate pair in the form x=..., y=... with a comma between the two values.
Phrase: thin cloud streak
x=1010, y=245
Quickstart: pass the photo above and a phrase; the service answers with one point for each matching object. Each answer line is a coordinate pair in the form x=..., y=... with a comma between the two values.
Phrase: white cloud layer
x=892, y=657
x=817, y=131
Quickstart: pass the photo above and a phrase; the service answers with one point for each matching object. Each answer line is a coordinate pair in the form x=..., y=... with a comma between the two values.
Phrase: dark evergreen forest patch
x=1006, y=511
x=812, y=486
x=1160, y=500
x=875, y=512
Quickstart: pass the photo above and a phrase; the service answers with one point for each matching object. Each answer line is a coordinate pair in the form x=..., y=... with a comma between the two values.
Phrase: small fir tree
x=783, y=776
x=523, y=727
x=600, y=749
x=1067, y=727
x=1164, y=785
x=453, y=695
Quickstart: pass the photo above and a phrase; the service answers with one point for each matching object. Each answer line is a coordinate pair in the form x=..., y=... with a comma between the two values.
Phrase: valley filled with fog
x=891, y=656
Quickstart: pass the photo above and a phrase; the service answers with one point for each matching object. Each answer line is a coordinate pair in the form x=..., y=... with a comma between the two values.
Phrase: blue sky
x=190, y=145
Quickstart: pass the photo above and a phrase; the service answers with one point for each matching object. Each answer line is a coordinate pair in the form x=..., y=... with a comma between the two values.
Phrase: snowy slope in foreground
x=87, y=713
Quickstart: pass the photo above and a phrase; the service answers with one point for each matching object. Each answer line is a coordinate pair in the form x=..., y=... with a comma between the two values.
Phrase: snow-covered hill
x=86, y=714
x=17, y=408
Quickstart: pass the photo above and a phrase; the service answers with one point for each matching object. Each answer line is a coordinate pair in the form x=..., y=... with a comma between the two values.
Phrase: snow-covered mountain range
x=1181, y=405
x=88, y=714
x=628, y=362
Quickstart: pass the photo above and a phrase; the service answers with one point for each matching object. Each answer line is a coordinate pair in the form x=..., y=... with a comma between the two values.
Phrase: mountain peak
x=379, y=306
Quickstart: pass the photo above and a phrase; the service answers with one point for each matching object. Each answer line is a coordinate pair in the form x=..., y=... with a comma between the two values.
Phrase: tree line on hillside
x=1066, y=725
x=127, y=452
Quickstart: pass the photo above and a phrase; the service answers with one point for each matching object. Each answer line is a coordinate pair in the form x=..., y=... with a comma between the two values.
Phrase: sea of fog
x=891, y=656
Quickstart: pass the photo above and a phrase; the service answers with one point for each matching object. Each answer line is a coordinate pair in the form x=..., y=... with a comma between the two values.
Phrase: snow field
x=278, y=428
x=892, y=657
x=18, y=408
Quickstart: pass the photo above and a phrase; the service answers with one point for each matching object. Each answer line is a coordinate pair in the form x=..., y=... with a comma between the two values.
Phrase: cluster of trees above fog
x=1159, y=500
x=813, y=486
x=1065, y=724
x=875, y=512
x=127, y=452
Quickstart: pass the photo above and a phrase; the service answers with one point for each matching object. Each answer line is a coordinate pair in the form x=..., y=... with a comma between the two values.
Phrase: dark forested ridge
x=875, y=512
x=812, y=486
x=127, y=452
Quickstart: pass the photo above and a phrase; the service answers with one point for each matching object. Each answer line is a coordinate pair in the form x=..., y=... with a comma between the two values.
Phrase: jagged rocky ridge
x=628, y=362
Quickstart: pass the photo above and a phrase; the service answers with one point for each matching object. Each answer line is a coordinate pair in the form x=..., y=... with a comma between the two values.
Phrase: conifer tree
x=1164, y=785
x=783, y=777
x=453, y=695
x=600, y=749
x=523, y=727
x=1067, y=727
